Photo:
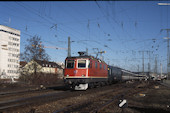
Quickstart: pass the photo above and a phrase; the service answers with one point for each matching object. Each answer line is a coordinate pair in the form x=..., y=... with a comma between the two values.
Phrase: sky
x=127, y=30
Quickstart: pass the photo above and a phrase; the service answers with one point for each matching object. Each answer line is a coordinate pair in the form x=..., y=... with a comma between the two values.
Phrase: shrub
x=39, y=78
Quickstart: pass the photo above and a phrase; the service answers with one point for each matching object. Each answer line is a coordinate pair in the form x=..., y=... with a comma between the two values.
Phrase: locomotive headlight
x=67, y=75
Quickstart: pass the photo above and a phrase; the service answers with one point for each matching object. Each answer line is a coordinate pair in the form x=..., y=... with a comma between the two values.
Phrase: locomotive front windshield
x=70, y=64
x=81, y=63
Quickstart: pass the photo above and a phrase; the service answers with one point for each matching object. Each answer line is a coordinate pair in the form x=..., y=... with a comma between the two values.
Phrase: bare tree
x=34, y=51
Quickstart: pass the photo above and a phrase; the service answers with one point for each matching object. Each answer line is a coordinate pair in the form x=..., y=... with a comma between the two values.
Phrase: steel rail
x=79, y=106
x=21, y=91
x=100, y=108
x=164, y=84
x=5, y=105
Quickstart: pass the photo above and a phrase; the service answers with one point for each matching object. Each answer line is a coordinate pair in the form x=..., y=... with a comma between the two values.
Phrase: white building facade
x=9, y=52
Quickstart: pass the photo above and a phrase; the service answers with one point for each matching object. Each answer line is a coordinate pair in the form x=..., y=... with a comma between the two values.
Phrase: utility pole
x=138, y=68
x=161, y=69
x=149, y=66
x=143, y=61
x=69, y=48
x=108, y=62
x=101, y=52
x=156, y=67
x=40, y=50
x=86, y=51
x=143, y=58
x=168, y=56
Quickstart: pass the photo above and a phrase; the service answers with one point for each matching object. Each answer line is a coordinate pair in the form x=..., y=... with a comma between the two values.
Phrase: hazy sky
x=121, y=28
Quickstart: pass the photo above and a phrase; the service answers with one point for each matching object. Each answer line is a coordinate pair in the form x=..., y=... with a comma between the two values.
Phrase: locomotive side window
x=89, y=64
x=100, y=66
x=81, y=63
x=70, y=63
x=95, y=64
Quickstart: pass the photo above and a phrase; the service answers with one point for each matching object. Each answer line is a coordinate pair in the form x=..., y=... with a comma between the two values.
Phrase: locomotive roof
x=114, y=67
x=86, y=56
x=80, y=57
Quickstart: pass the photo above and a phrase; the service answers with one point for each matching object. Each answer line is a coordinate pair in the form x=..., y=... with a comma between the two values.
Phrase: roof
x=23, y=63
x=80, y=57
x=114, y=67
x=86, y=56
x=44, y=63
x=9, y=29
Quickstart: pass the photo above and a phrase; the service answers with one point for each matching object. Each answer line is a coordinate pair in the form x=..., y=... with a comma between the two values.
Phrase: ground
x=143, y=99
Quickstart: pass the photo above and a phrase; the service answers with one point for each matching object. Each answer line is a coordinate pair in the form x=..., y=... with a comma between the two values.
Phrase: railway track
x=164, y=84
x=128, y=94
x=105, y=98
x=16, y=92
x=32, y=90
x=102, y=101
x=15, y=103
x=17, y=99
x=19, y=94
x=29, y=92
x=115, y=100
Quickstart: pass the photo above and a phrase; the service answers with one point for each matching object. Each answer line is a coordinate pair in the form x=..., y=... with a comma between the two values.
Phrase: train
x=84, y=71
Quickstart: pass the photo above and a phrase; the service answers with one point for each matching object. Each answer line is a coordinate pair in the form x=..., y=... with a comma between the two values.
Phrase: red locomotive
x=83, y=71
x=86, y=71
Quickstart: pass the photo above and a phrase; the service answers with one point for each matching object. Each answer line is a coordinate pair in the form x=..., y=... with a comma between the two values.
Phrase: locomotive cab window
x=70, y=64
x=81, y=63
x=89, y=64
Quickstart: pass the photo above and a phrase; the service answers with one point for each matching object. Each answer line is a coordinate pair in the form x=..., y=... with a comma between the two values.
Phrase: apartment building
x=9, y=52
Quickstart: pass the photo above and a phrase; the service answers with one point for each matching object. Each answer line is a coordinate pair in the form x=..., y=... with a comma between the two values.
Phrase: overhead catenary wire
x=64, y=28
